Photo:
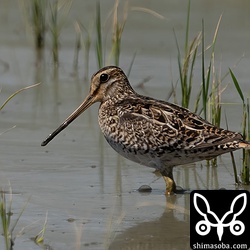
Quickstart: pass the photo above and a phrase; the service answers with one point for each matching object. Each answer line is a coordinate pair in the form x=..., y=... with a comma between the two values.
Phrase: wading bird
x=151, y=132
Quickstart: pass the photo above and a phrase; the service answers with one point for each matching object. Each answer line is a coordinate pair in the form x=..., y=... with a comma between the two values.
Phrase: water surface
x=89, y=192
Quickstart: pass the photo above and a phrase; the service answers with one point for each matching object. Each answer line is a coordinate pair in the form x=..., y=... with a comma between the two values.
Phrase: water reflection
x=169, y=231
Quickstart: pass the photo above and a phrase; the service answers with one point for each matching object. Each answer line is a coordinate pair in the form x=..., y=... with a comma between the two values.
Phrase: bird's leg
x=170, y=185
x=167, y=175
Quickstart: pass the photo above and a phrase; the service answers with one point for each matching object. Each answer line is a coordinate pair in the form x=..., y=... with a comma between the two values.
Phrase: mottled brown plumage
x=153, y=133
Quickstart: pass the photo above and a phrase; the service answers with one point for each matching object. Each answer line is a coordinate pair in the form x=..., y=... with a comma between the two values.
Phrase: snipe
x=151, y=132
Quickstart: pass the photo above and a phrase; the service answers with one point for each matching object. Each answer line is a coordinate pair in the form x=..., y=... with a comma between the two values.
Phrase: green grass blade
x=18, y=218
x=187, y=27
x=39, y=238
x=5, y=224
x=180, y=67
x=99, y=49
x=216, y=35
x=234, y=168
x=191, y=71
x=204, y=87
x=248, y=119
x=17, y=92
x=237, y=86
x=131, y=64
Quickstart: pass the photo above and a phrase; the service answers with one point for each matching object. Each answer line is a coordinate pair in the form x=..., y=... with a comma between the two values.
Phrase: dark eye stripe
x=104, y=78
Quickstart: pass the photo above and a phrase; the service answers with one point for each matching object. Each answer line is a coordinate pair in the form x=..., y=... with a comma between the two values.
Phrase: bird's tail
x=244, y=144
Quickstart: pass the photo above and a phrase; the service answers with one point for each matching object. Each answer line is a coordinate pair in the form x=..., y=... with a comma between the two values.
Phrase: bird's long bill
x=86, y=103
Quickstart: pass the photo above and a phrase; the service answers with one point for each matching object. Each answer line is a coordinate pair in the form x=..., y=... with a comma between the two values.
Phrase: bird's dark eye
x=104, y=78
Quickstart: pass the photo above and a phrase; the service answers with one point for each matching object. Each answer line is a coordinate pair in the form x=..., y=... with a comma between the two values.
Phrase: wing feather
x=177, y=125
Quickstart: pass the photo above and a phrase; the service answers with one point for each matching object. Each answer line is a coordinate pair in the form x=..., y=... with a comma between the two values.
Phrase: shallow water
x=89, y=192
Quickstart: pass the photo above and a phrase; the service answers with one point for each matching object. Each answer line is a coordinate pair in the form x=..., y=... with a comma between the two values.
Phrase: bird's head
x=108, y=82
